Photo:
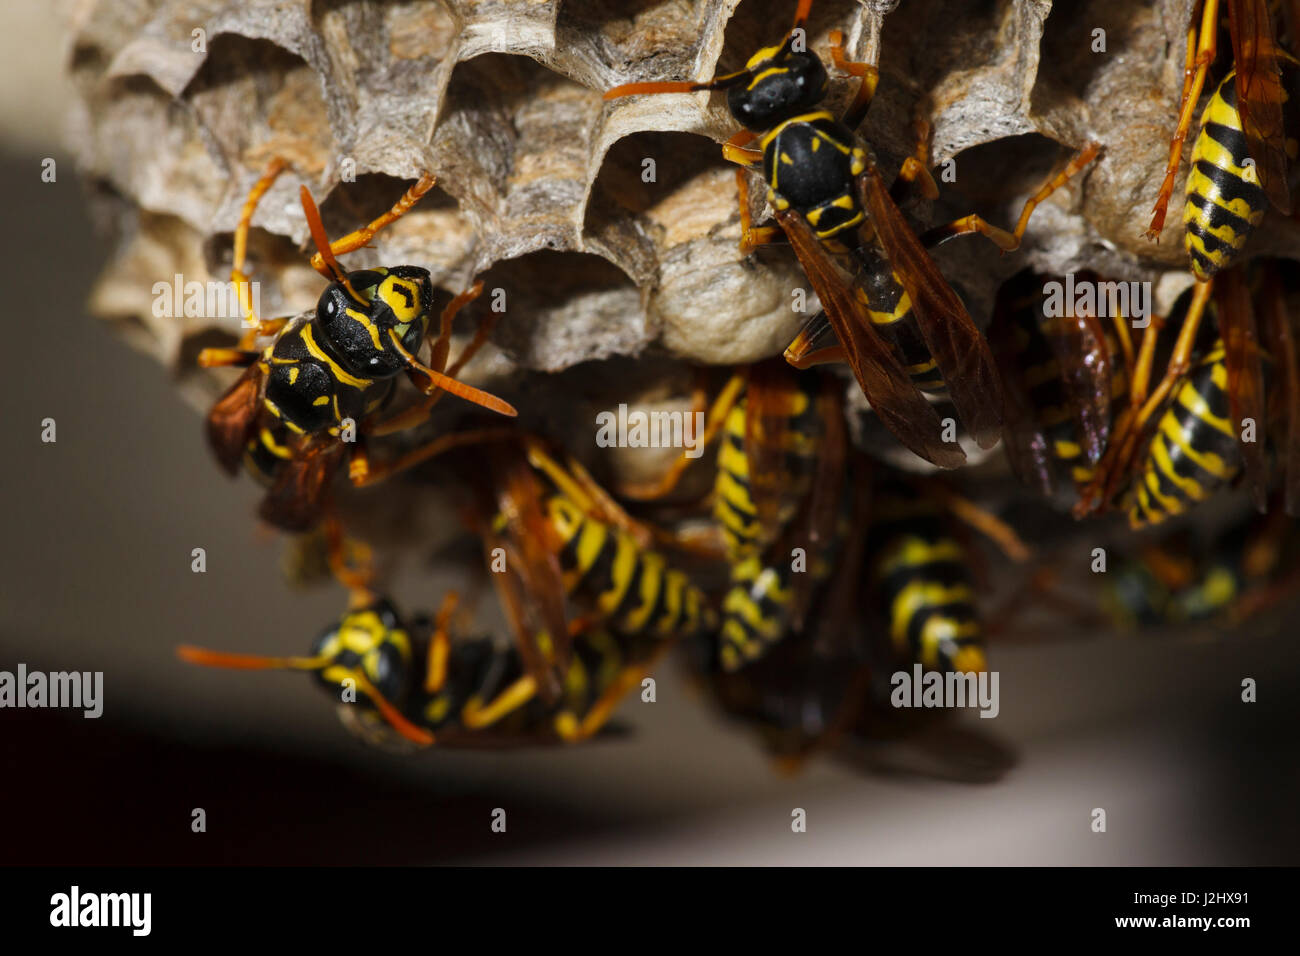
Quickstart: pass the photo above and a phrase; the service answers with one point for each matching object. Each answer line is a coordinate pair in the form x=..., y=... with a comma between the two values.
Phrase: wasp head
x=370, y=648
x=362, y=317
x=780, y=83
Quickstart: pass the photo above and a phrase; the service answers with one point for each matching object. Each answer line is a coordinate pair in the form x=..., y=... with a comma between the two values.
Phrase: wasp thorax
x=778, y=89
x=360, y=329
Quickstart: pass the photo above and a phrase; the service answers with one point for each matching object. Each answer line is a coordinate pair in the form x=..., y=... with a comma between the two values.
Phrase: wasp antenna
x=247, y=662
x=395, y=718
x=331, y=269
x=674, y=86
x=801, y=13
x=449, y=384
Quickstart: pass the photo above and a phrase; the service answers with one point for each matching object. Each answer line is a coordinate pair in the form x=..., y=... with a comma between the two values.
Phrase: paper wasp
x=1248, y=130
x=896, y=321
x=780, y=467
x=920, y=578
x=411, y=684
x=1228, y=576
x=1208, y=418
x=561, y=540
x=284, y=417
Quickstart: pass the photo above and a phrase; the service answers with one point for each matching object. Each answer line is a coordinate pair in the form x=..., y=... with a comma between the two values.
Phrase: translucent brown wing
x=1280, y=329
x=824, y=505
x=958, y=348
x=1260, y=95
x=1245, y=374
x=772, y=396
x=1023, y=435
x=893, y=396
x=296, y=500
x=532, y=588
x=232, y=421
x=1083, y=357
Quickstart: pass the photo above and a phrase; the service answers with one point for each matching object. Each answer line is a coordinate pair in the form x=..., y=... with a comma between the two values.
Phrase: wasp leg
x=751, y=236
x=1126, y=435
x=986, y=523
x=238, y=278
x=576, y=483
x=915, y=172
x=435, y=676
x=713, y=424
x=1202, y=47
x=363, y=472
x=869, y=75
x=476, y=715
x=223, y=358
x=351, y=562
x=323, y=262
x=1010, y=241
x=571, y=730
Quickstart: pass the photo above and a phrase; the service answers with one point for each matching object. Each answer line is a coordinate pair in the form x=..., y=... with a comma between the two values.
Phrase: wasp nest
x=606, y=229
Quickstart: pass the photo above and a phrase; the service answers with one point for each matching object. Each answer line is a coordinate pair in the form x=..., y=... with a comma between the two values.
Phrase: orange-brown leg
x=223, y=358
x=868, y=74
x=351, y=561
x=1126, y=435
x=571, y=730
x=915, y=172
x=363, y=472
x=751, y=236
x=713, y=424
x=1202, y=47
x=435, y=675
x=1010, y=241
x=238, y=278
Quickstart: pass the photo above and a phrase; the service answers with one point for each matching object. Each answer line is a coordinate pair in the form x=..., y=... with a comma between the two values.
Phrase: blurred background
x=95, y=575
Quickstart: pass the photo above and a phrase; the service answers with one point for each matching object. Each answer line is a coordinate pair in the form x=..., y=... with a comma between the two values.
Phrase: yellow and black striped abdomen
x=634, y=591
x=1194, y=451
x=757, y=609
x=744, y=530
x=1224, y=199
x=921, y=573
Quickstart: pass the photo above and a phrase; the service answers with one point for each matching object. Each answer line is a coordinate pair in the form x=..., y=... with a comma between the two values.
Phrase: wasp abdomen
x=1224, y=199
x=1194, y=452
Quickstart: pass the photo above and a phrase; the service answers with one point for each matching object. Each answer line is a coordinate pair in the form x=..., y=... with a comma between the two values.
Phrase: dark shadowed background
x=95, y=575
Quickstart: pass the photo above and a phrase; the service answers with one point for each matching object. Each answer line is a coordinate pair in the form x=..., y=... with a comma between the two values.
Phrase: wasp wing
x=232, y=422
x=532, y=588
x=297, y=498
x=893, y=396
x=1281, y=330
x=1023, y=435
x=958, y=348
x=1245, y=375
x=1260, y=96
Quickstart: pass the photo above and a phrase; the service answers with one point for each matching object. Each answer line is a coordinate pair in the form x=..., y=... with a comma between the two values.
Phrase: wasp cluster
x=606, y=233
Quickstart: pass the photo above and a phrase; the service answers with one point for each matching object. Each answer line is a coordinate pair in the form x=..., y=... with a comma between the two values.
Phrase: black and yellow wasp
x=406, y=682
x=1227, y=575
x=776, y=498
x=920, y=580
x=285, y=416
x=1209, y=419
x=1243, y=157
x=897, y=322
x=565, y=556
